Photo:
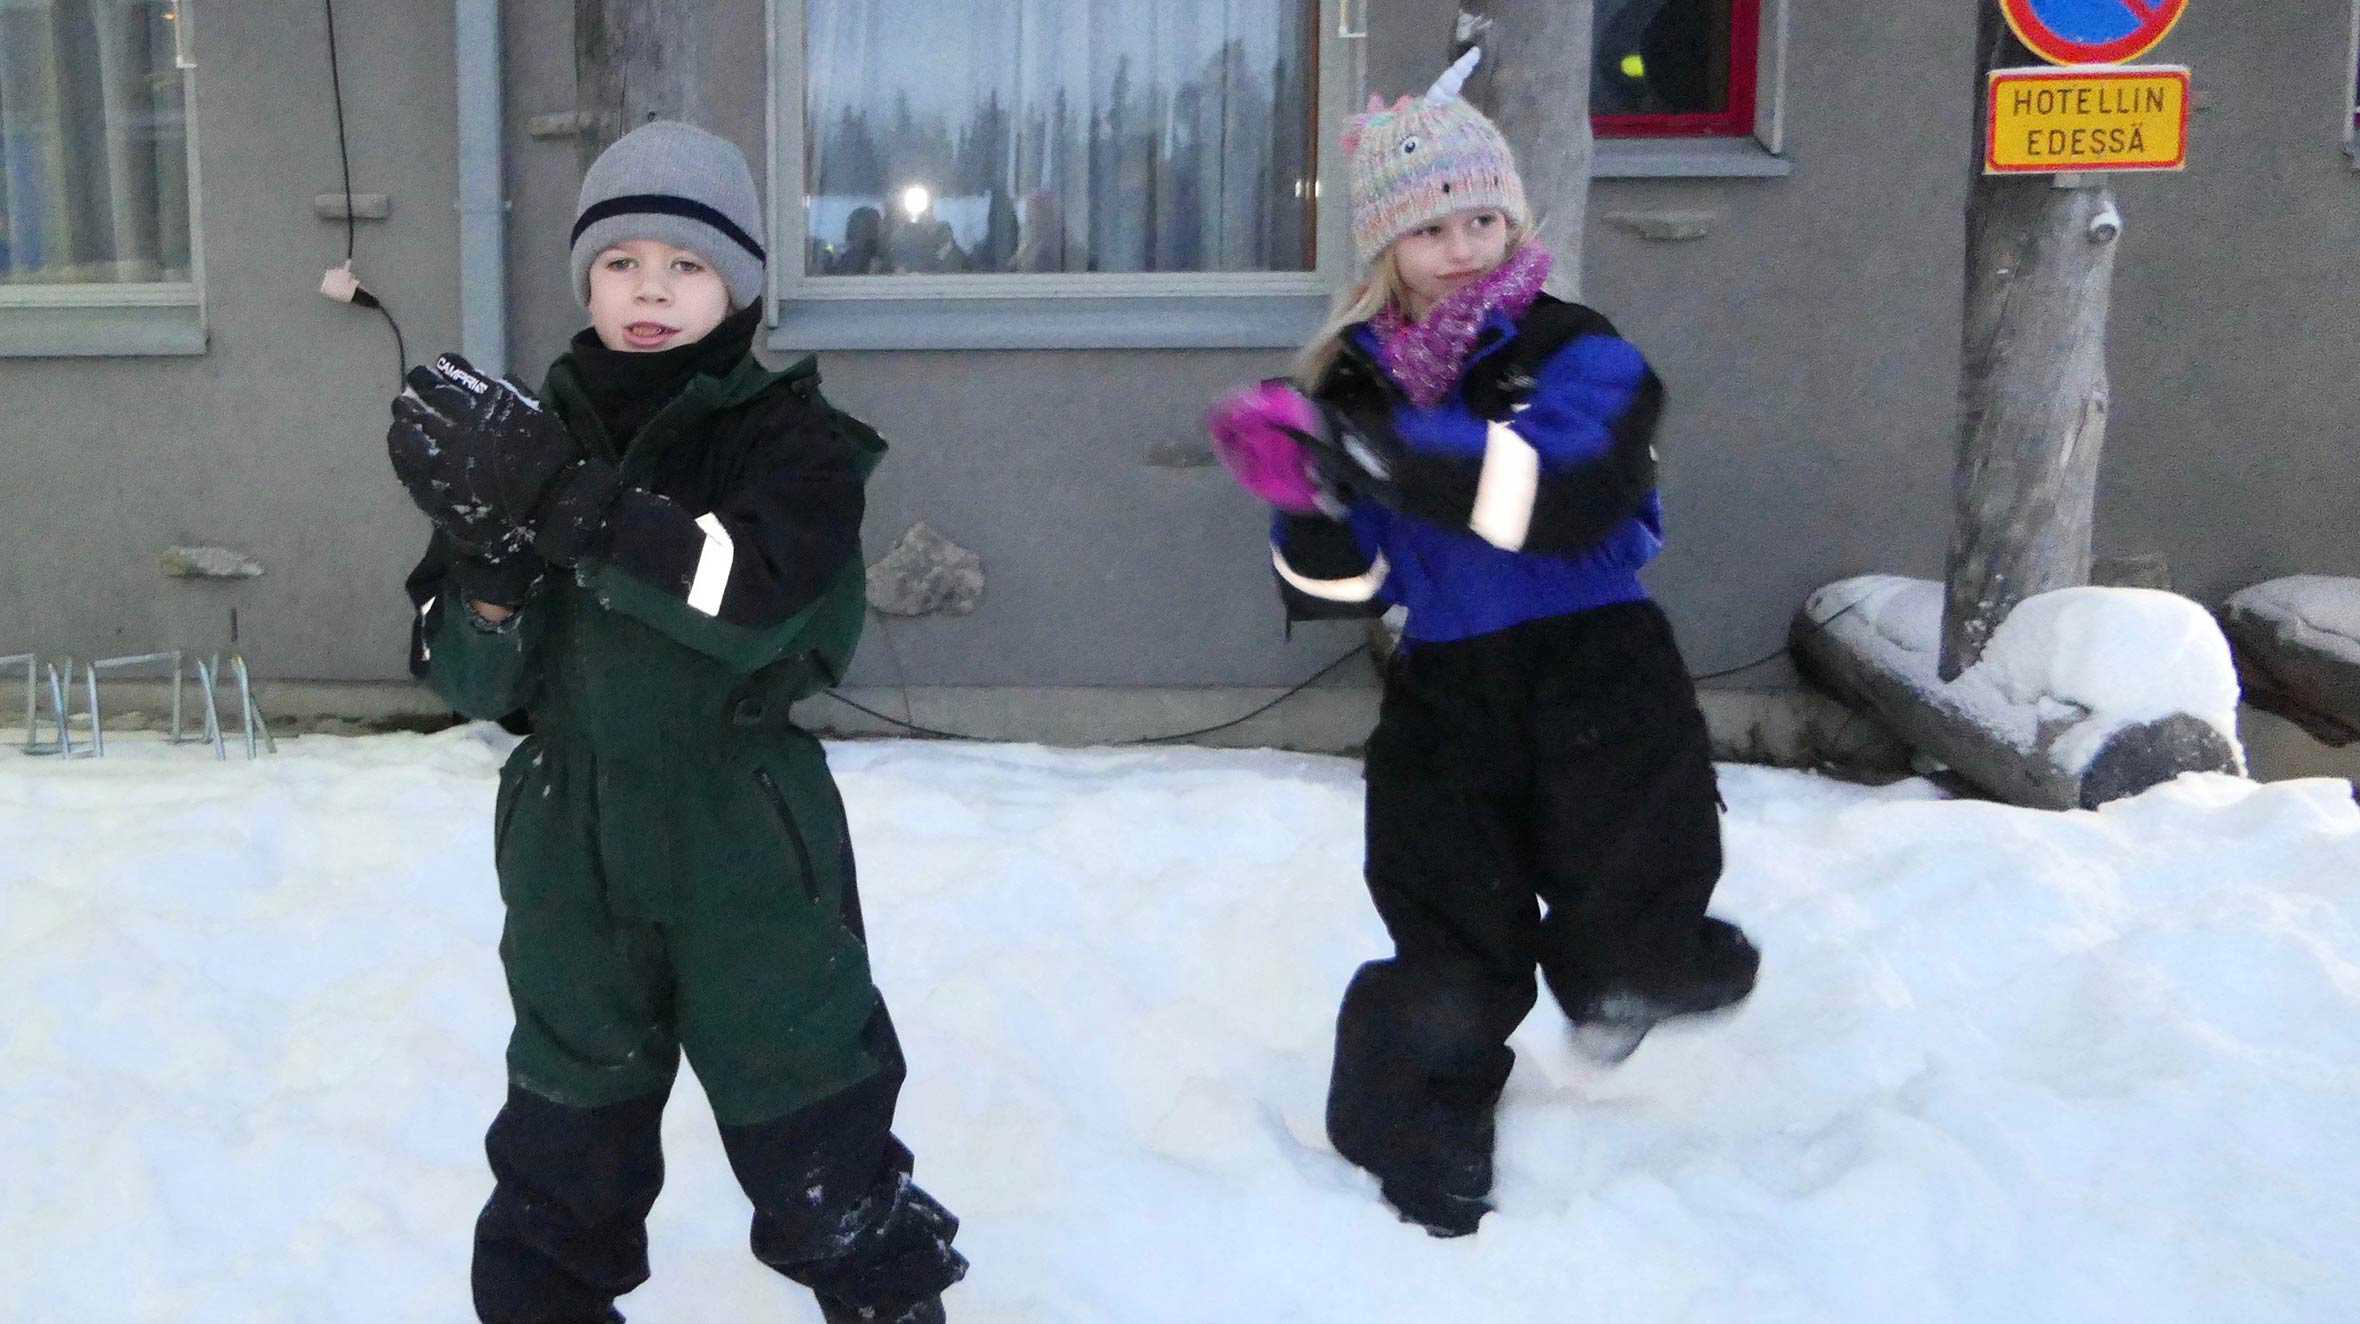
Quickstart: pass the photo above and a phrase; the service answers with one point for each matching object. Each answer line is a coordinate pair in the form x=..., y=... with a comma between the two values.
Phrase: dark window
x=1674, y=68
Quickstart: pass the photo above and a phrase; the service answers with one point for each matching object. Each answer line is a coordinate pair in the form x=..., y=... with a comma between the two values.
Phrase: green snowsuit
x=671, y=850
x=674, y=861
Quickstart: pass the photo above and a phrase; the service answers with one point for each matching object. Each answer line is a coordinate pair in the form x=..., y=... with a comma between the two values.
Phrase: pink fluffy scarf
x=1424, y=357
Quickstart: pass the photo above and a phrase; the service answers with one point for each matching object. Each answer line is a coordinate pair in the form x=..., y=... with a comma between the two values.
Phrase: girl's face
x=1437, y=259
x=646, y=295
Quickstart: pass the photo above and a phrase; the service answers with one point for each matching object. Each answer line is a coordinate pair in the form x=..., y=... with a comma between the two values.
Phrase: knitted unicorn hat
x=1418, y=161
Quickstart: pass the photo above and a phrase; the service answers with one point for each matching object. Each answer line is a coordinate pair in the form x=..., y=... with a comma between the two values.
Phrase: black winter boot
x=1717, y=972
x=1425, y=1133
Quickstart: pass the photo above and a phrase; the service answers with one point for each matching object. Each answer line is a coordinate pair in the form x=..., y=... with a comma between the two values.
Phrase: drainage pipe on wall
x=483, y=209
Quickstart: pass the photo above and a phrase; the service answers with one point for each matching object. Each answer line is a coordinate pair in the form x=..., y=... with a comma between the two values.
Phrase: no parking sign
x=2092, y=31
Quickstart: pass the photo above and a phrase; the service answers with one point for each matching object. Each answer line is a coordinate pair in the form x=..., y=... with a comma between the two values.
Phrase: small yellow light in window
x=1634, y=66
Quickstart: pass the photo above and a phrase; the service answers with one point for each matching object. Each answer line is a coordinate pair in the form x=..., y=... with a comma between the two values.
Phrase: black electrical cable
x=344, y=155
x=1313, y=679
x=1816, y=627
x=906, y=726
x=401, y=349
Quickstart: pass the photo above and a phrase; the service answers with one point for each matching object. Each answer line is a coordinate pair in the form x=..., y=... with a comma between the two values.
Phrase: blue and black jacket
x=1528, y=492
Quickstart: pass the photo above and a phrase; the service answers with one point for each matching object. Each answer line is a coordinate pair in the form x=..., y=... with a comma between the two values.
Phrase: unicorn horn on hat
x=1447, y=87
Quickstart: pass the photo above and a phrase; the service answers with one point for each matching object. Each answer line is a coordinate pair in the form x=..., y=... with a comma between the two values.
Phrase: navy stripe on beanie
x=666, y=204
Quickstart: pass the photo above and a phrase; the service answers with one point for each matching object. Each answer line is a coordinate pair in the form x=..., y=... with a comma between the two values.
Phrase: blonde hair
x=1382, y=287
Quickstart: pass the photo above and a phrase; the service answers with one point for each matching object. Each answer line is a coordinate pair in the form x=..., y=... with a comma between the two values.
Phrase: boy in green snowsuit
x=654, y=564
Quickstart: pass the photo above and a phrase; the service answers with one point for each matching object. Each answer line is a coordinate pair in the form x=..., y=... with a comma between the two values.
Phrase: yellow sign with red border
x=2087, y=118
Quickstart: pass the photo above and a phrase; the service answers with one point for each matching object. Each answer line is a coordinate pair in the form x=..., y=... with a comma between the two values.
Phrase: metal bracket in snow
x=252, y=714
x=175, y=659
x=249, y=715
x=59, y=711
x=208, y=673
x=31, y=663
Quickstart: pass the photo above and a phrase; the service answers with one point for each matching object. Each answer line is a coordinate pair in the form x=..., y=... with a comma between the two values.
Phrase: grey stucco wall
x=1810, y=342
x=272, y=441
x=2237, y=314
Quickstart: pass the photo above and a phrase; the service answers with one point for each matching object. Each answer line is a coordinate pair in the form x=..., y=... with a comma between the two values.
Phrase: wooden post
x=635, y=61
x=1534, y=82
x=2040, y=273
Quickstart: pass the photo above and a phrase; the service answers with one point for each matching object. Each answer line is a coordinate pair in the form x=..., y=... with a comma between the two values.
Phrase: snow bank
x=2075, y=665
x=2003, y=1065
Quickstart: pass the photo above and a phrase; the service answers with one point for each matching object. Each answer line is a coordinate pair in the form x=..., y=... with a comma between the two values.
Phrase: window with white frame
x=94, y=152
x=1033, y=148
x=1675, y=68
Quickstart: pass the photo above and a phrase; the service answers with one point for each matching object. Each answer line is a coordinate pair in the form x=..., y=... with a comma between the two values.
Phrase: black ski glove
x=480, y=457
x=1361, y=456
x=572, y=520
x=1355, y=460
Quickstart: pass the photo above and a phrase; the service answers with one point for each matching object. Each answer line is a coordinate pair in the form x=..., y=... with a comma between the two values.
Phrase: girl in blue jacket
x=1540, y=783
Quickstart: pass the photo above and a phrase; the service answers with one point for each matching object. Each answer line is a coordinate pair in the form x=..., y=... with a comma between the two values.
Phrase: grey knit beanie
x=679, y=185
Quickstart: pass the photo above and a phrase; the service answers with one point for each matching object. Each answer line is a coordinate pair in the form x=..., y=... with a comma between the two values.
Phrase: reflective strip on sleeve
x=1506, y=489
x=1358, y=588
x=712, y=577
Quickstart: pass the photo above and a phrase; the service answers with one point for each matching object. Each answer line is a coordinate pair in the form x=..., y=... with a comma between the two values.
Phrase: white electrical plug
x=340, y=284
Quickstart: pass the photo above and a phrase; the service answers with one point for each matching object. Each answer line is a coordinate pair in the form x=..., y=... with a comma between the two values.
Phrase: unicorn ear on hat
x=1357, y=126
x=1446, y=88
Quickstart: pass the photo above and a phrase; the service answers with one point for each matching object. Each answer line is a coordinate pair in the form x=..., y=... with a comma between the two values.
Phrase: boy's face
x=646, y=295
x=1439, y=258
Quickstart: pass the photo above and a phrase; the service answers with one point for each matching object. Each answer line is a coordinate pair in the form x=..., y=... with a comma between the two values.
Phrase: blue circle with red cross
x=2092, y=31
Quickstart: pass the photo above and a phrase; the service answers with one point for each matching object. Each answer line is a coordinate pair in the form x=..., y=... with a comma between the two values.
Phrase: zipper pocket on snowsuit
x=786, y=819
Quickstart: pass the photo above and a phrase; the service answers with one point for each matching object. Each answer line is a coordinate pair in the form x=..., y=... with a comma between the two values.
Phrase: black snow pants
x=565, y=1232
x=1562, y=761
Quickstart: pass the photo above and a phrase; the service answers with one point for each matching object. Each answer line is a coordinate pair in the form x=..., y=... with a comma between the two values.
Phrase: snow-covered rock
x=2297, y=641
x=2069, y=676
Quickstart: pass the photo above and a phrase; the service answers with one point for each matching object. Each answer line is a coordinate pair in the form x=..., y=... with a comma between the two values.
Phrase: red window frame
x=1745, y=56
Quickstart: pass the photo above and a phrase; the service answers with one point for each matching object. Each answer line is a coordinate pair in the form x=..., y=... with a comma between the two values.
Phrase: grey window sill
x=40, y=331
x=1686, y=158
x=1225, y=321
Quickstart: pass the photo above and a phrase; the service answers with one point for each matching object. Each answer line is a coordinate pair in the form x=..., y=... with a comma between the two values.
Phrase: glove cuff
x=504, y=583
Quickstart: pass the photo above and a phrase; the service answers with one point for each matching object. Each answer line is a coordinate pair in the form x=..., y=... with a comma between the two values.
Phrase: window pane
x=93, y=143
x=1059, y=136
x=1661, y=57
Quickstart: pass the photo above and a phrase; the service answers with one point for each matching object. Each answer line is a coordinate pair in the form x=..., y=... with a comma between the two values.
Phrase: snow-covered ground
x=2003, y=1065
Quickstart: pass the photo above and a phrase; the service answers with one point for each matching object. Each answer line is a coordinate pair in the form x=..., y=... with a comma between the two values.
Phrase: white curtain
x=1060, y=135
x=93, y=143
